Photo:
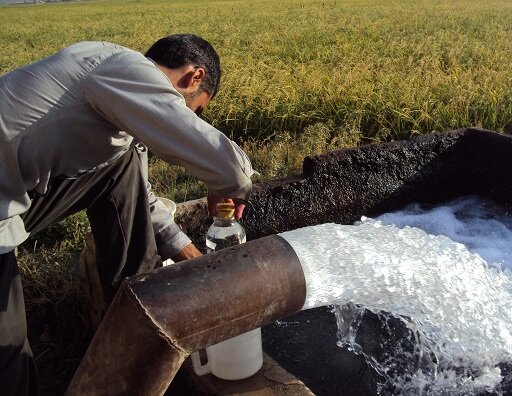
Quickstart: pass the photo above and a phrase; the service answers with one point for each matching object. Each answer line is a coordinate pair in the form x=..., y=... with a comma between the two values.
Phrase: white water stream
x=455, y=306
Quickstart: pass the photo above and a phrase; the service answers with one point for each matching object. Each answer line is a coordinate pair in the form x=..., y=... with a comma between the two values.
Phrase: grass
x=58, y=326
x=300, y=77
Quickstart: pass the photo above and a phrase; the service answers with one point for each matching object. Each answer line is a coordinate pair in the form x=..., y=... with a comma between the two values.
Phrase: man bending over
x=74, y=133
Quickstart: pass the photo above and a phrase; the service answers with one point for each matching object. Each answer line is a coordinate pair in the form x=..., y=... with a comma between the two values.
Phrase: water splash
x=451, y=307
x=483, y=226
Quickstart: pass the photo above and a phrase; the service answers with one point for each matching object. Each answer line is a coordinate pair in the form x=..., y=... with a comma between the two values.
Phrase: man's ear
x=194, y=78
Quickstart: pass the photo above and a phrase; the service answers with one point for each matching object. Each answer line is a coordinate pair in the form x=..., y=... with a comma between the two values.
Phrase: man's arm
x=171, y=242
x=132, y=93
x=188, y=252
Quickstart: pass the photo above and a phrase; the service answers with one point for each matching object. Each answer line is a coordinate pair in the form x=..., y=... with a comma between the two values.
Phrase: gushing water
x=454, y=306
x=482, y=226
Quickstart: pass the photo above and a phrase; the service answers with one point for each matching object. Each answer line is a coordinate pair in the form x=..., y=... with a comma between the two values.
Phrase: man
x=74, y=128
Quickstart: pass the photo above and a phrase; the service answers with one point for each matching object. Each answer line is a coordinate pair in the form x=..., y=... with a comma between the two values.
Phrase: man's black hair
x=178, y=50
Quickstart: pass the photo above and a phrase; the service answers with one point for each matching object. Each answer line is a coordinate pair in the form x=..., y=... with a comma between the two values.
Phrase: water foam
x=483, y=226
x=455, y=304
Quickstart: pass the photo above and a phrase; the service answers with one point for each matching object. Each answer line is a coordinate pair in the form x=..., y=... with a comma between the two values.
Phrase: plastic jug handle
x=200, y=369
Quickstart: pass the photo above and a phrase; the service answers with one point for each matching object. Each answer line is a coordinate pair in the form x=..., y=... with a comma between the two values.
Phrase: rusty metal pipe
x=157, y=319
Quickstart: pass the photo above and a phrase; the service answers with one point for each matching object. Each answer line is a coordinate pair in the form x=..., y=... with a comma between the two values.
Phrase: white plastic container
x=234, y=359
x=241, y=356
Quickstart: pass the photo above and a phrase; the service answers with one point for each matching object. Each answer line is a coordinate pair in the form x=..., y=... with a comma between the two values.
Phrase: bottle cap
x=225, y=210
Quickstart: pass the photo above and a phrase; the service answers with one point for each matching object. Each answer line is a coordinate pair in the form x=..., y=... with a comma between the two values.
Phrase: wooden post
x=93, y=292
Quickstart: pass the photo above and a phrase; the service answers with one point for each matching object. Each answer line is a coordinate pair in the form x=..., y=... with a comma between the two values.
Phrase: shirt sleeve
x=168, y=235
x=129, y=91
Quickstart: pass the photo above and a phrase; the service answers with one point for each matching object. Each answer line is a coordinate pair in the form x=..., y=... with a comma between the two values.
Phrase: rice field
x=380, y=69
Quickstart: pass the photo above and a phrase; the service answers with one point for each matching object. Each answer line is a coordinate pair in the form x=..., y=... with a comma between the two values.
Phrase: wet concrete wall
x=341, y=186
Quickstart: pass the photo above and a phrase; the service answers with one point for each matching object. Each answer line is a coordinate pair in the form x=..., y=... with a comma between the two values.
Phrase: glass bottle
x=225, y=231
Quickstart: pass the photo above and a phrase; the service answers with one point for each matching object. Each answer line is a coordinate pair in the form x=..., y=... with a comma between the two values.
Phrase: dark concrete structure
x=341, y=186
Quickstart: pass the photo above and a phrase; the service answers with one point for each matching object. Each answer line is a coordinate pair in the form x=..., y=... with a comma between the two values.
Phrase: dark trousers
x=18, y=375
x=117, y=207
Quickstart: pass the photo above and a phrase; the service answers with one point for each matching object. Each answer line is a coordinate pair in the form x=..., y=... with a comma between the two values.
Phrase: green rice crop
x=383, y=69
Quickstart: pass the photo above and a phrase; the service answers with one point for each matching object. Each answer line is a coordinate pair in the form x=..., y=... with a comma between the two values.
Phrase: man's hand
x=188, y=252
x=213, y=200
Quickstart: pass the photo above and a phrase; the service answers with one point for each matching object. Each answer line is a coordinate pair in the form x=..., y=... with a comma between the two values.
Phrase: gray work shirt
x=83, y=107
